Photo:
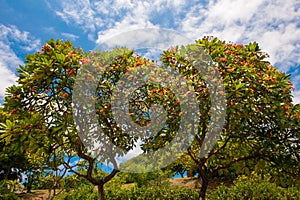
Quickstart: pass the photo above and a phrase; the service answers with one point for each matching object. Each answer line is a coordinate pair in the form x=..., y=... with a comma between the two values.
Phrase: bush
x=86, y=192
x=40, y=182
x=8, y=196
x=159, y=193
x=148, y=179
x=6, y=190
x=73, y=182
x=255, y=191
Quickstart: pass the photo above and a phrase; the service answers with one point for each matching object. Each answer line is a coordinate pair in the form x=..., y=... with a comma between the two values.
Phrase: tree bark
x=181, y=174
x=101, y=191
x=6, y=175
x=29, y=187
x=189, y=173
x=204, y=184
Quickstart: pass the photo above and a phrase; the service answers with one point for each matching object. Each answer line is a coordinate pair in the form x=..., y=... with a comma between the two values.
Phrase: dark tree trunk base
x=101, y=192
x=204, y=184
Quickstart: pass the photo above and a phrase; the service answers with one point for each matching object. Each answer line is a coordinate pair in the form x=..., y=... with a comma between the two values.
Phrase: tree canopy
x=261, y=120
x=258, y=124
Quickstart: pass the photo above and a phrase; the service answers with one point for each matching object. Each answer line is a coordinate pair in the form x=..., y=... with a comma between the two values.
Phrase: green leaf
x=60, y=57
x=9, y=124
x=3, y=126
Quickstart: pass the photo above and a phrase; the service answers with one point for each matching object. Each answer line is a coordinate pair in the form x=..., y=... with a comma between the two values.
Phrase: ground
x=181, y=182
x=185, y=182
x=35, y=195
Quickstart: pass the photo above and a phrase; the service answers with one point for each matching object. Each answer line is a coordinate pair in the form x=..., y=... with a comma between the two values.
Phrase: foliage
x=156, y=192
x=41, y=106
x=147, y=179
x=143, y=174
x=21, y=152
x=163, y=193
x=44, y=181
x=182, y=165
x=73, y=182
x=41, y=112
x=261, y=123
x=7, y=188
x=87, y=192
x=116, y=183
x=38, y=96
x=12, y=159
x=261, y=131
x=250, y=189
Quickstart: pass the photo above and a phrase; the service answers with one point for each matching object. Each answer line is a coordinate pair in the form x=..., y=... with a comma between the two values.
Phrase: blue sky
x=26, y=24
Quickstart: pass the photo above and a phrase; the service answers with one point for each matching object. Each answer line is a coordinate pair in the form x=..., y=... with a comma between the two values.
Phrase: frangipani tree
x=258, y=114
x=67, y=96
x=44, y=90
x=52, y=99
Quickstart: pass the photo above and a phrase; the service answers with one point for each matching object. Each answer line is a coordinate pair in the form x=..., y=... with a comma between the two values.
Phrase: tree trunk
x=29, y=186
x=54, y=192
x=6, y=175
x=181, y=174
x=101, y=191
x=190, y=173
x=204, y=184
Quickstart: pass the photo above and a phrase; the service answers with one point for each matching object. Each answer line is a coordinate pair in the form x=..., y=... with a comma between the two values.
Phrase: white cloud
x=153, y=39
x=80, y=12
x=11, y=34
x=7, y=78
x=296, y=81
x=283, y=45
x=126, y=25
x=9, y=61
x=112, y=17
x=50, y=29
x=141, y=15
x=273, y=24
x=93, y=16
x=70, y=36
x=296, y=99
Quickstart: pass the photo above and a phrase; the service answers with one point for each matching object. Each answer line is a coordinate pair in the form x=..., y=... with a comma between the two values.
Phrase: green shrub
x=147, y=179
x=9, y=196
x=143, y=193
x=41, y=182
x=6, y=190
x=86, y=192
x=255, y=191
x=155, y=192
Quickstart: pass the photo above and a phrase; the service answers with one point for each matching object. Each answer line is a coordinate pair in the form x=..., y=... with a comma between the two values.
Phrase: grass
x=181, y=182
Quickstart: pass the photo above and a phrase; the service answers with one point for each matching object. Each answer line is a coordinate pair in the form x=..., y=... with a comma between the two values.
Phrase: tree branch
x=256, y=155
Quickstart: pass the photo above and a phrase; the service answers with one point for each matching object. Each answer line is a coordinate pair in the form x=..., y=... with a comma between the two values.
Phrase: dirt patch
x=193, y=183
x=34, y=195
x=185, y=182
x=128, y=185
